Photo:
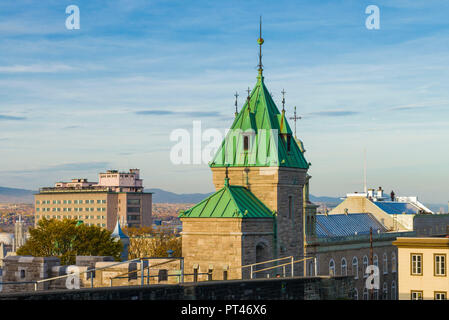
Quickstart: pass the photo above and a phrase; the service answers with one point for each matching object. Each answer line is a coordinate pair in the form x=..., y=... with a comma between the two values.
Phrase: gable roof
x=229, y=202
x=257, y=118
x=340, y=225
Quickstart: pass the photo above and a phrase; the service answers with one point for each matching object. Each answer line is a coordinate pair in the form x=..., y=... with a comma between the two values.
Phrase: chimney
x=380, y=192
x=392, y=195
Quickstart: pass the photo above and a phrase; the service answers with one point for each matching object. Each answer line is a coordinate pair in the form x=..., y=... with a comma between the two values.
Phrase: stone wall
x=297, y=288
x=274, y=186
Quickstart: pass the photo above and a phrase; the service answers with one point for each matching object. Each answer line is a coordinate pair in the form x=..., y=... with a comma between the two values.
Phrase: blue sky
x=75, y=102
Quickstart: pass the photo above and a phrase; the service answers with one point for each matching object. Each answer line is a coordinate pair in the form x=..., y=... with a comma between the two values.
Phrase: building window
x=365, y=266
x=133, y=201
x=393, y=290
x=393, y=262
x=355, y=267
x=416, y=264
x=365, y=294
x=438, y=295
x=385, y=263
x=385, y=291
x=355, y=294
x=332, y=267
x=376, y=260
x=440, y=265
x=416, y=295
x=344, y=267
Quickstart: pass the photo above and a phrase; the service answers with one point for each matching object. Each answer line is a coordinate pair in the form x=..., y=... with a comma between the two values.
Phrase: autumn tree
x=67, y=238
x=154, y=244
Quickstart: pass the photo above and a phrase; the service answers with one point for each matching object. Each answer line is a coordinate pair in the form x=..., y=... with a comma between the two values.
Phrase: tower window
x=289, y=142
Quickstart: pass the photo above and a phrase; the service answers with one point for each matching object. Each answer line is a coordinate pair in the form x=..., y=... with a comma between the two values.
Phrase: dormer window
x=245, y=143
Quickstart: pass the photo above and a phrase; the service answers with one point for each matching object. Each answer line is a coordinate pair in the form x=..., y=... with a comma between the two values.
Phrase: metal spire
x=236, y=95
x=260, y=42
x=294, y=118
x=283, y=100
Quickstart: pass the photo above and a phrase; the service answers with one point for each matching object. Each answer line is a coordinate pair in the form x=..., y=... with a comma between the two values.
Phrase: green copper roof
x=268, y=134
x=229, y=202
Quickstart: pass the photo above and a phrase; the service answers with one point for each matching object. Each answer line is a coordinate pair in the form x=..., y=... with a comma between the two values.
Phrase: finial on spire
x=283, y=99
x=236, y=95
x=260, y=41
x=294, y=118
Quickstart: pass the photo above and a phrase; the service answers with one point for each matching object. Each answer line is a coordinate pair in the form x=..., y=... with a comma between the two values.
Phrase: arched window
x=393, y=262
x=365, y=265
x=393, y=290
x=355, y=267
x=365, y=294
x=375, y=260
x=332, y=267
x=385, y=263
x=355, y=294
x=385, y=292
x=344, y=267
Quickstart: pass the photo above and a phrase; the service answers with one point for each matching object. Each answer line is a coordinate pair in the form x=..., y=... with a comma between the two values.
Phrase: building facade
x=423, y=268
x=117, y=196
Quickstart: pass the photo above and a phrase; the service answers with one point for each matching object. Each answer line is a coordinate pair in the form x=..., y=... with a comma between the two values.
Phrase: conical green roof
x=268, y=132
x=229, y=202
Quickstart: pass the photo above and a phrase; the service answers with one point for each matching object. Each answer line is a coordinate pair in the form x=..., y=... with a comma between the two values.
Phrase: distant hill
x=327, y=200
x=13, y=195
x=162, y=196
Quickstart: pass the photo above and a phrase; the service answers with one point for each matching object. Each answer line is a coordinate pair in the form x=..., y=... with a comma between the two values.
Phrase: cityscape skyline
x=107, y=96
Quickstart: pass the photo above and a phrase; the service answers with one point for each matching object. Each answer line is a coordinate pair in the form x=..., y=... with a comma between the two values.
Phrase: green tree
x=67, y=238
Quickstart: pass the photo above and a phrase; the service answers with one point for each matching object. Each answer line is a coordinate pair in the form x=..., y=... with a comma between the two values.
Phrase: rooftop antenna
x=236, y=95
x=260, y=41
x=294, y=118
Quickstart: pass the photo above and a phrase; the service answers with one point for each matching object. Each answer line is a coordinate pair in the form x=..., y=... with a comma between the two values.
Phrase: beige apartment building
x=117, y=195
x=422, y=268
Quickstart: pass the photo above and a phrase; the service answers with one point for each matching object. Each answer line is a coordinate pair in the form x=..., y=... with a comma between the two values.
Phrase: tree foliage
x=65, y=240
x=153, y=244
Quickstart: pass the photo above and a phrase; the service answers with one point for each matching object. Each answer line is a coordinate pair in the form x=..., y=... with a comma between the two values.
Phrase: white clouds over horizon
x=79, y=94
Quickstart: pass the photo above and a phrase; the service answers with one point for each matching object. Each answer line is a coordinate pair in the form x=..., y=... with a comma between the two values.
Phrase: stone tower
x=260, y=155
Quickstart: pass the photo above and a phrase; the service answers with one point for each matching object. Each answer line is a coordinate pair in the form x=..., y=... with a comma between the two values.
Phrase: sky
x=109, y=94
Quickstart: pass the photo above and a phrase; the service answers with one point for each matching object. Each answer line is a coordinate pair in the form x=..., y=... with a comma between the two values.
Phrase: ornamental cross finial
x=294, y=118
